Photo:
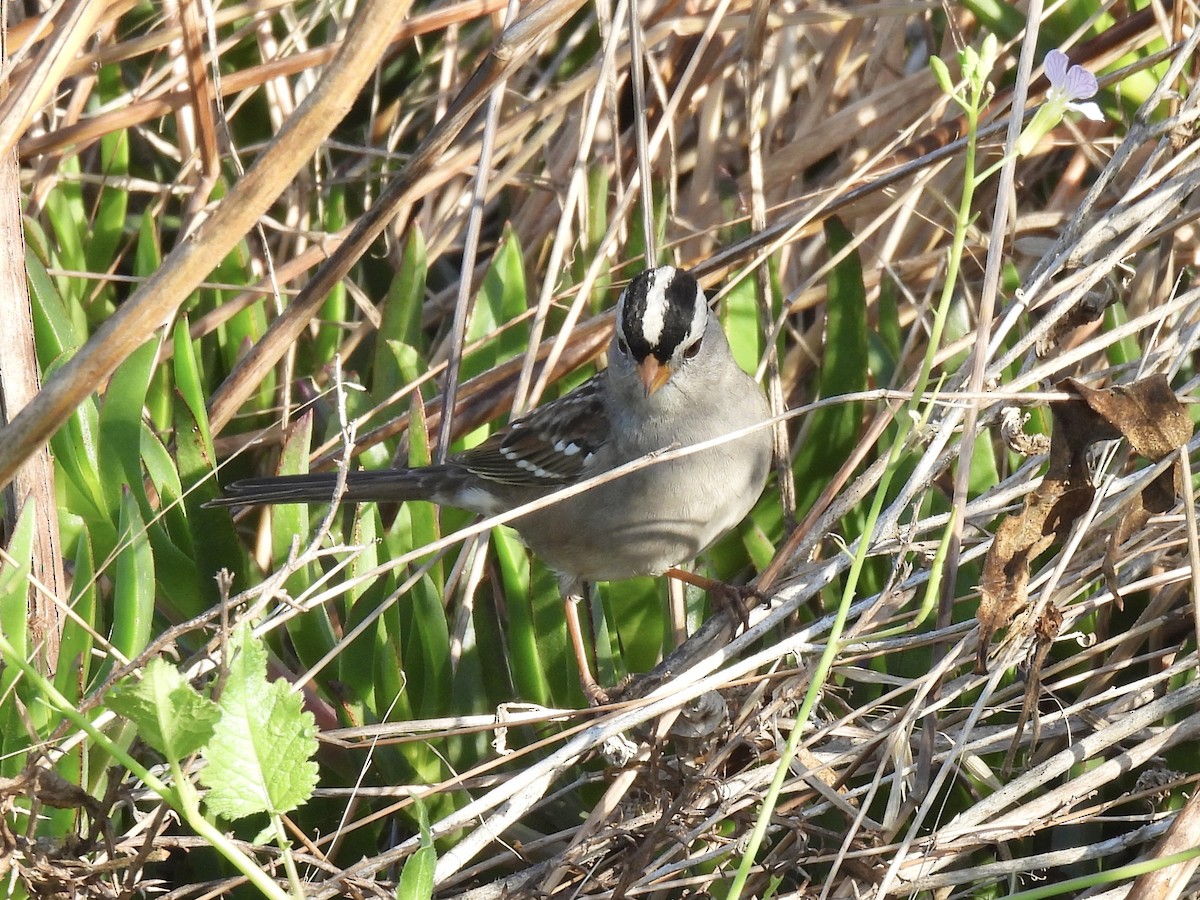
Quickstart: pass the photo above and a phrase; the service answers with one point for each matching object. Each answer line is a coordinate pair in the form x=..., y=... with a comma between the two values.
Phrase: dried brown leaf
x=1134, y=520
x=1147, y=414
x=1046, y=629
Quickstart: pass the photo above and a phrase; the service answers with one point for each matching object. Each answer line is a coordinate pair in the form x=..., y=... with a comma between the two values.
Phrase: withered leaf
x=1003, y=587
x=1147, y=414
x=1046, y=629
x=1134, y=520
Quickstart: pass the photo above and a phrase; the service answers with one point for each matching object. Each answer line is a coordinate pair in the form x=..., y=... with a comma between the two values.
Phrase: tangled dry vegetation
x=997, y=716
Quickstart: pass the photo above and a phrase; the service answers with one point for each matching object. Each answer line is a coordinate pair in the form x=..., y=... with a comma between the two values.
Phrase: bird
x=670, y=381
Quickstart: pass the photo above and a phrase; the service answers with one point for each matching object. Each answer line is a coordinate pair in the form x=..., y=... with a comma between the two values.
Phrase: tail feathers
x=375, y=485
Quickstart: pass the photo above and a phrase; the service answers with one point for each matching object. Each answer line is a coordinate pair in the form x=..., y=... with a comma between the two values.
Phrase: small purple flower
x=1068, y=85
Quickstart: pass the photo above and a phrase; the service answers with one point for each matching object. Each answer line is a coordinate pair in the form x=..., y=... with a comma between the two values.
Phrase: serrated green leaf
x=260, y=757
x=170, y=715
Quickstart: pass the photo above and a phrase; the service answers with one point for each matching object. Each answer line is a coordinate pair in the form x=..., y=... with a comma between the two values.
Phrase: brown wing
x=554, y=444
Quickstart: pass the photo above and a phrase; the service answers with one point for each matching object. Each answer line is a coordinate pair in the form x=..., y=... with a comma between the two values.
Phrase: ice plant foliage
x=1069, y=85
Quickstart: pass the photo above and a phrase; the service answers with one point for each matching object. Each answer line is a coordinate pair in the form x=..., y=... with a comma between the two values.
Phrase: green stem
x=1110, y=877
x=289, y=862
x=904, y=427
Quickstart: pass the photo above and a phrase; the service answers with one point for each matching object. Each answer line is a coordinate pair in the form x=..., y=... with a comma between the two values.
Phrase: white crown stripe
x=655, y=317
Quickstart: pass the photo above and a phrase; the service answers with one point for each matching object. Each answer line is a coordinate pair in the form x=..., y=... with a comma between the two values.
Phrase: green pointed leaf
x=739, y=316
x=502, y=298
x=147, y=255
x=214, y=538
x=260, y=757
x=843, y=371
x=425, y=523
x=312, y=634
x=108, y=223
x=170, y=715
x=14, y=584
x=68, y=220
x=402, y=311
x=527, y=651
x=121, y=425
x=885, y=341
x=336, y=308
x=14, y=598
x=133, y=582
x=1126, y=350
x=416, y=880
x=427, y=653
x=55, y=333
x=75, y=649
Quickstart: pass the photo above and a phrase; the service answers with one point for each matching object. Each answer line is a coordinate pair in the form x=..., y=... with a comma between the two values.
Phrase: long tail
x=380, y=484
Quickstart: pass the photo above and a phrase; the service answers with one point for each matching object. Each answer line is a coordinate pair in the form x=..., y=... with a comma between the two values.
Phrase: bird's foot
x=735, y=600
x=596, y=695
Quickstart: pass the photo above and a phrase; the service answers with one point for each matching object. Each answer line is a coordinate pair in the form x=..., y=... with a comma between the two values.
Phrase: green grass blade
x=75, y=648
x=14, y=613
x=133, y=582
x=834, y=430
x=312, y=634
x=120, y=432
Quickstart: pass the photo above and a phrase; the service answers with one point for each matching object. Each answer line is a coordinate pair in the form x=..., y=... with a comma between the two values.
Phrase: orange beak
x=653, y=374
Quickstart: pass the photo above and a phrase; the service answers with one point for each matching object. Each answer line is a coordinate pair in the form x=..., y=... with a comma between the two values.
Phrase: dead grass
x=900, y=787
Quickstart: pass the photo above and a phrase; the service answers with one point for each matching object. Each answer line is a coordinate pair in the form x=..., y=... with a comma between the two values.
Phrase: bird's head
x=662, y=318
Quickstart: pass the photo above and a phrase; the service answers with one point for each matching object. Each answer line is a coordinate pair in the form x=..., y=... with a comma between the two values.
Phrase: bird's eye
x=690, y=352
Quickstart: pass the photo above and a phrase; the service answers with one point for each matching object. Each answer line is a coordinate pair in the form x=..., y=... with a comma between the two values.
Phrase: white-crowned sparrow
x=671, y=380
